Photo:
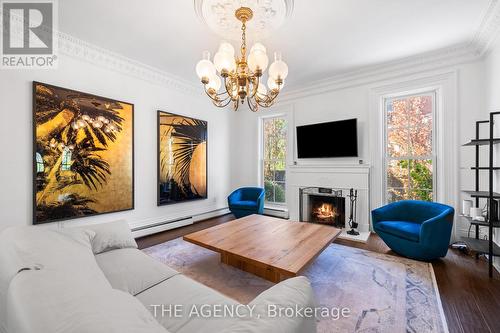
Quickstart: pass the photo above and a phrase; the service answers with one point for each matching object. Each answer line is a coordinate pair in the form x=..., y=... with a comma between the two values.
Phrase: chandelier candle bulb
x=278, y=69
x=205, y=68
x=241, y=75
x=214, y=83
x=226, y=47
x=273, y=84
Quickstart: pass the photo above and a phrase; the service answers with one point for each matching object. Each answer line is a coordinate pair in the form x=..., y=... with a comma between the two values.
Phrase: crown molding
x=85, y=51
x=470, y=51
x=486, y=36
x=447, y=57
x=474, y=50
x=81, y=50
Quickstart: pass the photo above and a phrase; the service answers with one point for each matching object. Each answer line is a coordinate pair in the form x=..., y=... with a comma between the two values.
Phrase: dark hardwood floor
x=471, y=300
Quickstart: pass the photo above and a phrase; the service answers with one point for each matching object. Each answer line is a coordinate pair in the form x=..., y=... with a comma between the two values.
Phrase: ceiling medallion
x=241, y=76
x=268, y=15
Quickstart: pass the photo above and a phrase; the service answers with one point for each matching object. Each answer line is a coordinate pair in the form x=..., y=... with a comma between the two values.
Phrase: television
x=331, y=139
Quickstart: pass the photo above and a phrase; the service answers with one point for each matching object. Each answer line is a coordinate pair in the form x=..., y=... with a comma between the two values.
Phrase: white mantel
x=338, y=176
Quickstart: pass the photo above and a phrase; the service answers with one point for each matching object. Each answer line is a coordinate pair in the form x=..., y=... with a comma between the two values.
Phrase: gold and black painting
x=182, y=158
x=83, y=161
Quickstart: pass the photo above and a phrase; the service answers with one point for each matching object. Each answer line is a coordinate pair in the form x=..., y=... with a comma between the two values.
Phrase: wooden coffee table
x=272, y=248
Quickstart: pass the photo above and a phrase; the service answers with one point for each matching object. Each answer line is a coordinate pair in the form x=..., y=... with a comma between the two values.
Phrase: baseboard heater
x=153, y=228
x=161, y=226
x=190, y=218
x=277, y=212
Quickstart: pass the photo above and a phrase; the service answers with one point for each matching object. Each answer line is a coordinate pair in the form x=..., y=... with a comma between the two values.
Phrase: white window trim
x=261, y=155
x=287, y=111
x=445, y=82
x=435, y=111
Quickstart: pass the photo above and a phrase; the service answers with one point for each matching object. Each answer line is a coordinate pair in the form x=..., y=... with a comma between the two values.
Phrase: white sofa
x=94, y=279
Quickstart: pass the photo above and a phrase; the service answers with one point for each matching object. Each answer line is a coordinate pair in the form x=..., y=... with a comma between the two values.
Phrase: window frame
x=40, y=164
x=263, y=160
x=434, y=93
x=66, y=159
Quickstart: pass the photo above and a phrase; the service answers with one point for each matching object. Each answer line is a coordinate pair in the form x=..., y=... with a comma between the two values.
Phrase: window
x=410, y=164
x=39, y=163
x=274, y=143
x=66, y=159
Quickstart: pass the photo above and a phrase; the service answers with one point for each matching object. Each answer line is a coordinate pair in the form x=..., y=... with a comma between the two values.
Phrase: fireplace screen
x=323, y=208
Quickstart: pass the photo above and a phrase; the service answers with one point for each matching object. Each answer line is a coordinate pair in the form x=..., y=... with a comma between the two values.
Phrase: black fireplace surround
x=324, y=206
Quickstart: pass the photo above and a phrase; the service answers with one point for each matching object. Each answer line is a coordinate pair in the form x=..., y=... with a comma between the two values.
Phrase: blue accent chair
x=246, y=201
x=415, y=229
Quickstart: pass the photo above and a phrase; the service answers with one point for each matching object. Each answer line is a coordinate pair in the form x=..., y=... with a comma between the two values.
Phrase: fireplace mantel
x=338, y=176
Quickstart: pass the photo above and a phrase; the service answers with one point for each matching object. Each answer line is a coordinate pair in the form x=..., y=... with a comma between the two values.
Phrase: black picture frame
x=34, y=151
x=159, y=200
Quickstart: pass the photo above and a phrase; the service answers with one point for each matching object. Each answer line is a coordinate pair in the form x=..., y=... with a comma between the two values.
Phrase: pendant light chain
x=243, y=40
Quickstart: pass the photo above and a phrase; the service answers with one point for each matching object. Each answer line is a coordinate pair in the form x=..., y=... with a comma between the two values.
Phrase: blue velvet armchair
x=246, y=201
x=415, y=229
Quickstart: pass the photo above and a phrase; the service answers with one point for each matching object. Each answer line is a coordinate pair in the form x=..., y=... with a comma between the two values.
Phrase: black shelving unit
x=482, y=246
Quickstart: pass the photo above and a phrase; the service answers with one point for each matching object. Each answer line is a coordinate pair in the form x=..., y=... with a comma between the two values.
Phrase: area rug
x=383, y=293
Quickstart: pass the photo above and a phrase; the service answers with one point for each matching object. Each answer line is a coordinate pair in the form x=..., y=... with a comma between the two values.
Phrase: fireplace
x=325, y=206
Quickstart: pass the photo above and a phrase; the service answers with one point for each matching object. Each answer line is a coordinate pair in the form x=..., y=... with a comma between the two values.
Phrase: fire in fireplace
x=324, y=212
x=327, y=210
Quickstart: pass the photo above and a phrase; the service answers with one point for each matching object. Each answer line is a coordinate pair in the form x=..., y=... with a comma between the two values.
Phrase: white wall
x=16, y=139
x=341, y=104
x=353, y=101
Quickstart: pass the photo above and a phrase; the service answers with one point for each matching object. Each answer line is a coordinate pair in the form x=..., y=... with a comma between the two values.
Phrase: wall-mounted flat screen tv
x=332, y=139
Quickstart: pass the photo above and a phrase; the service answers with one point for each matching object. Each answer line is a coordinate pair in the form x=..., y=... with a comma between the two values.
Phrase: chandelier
x=242, y=76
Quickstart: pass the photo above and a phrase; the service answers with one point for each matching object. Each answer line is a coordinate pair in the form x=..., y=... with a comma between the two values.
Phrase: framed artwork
x=83, y=154
x=182, y=158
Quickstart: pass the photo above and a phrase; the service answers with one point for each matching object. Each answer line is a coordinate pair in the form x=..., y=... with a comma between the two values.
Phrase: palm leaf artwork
x=187, y=134
x=165, y=162
x=89, y=166
x=83, y=127
x=70, y=205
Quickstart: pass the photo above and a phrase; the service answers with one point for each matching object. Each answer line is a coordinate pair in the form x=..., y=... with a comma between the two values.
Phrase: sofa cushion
x=244, y=204
x=53, y=301
x=110, y=236
x=402, y=229
x=184, y=292
x=11, y=263
x=132, y=271
x=287, y=294
x=62, y=252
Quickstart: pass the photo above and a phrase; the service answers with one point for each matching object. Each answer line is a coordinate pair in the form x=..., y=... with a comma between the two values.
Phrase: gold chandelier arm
x=218, y=101
x=254, y=107
x=236, y=104
x=255, y=86
x=229, y=87
x=269, y=99
x=223, y=103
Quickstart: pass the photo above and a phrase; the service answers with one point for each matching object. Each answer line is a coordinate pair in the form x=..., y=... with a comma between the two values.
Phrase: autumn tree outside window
x=410, y=161
x=274, y=142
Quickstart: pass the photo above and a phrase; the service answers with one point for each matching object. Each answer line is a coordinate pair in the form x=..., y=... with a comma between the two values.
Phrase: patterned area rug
x=384, y=293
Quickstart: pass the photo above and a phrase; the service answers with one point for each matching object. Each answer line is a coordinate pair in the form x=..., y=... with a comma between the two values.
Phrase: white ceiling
x=320, y=39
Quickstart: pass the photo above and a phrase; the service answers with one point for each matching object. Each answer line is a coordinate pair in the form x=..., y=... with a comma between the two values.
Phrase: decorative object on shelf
x=84, y=154
x=476, y=212
x=466, y=206
x=182, y=158
x=353, y=196
x=242, y=76
x=477, y=219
